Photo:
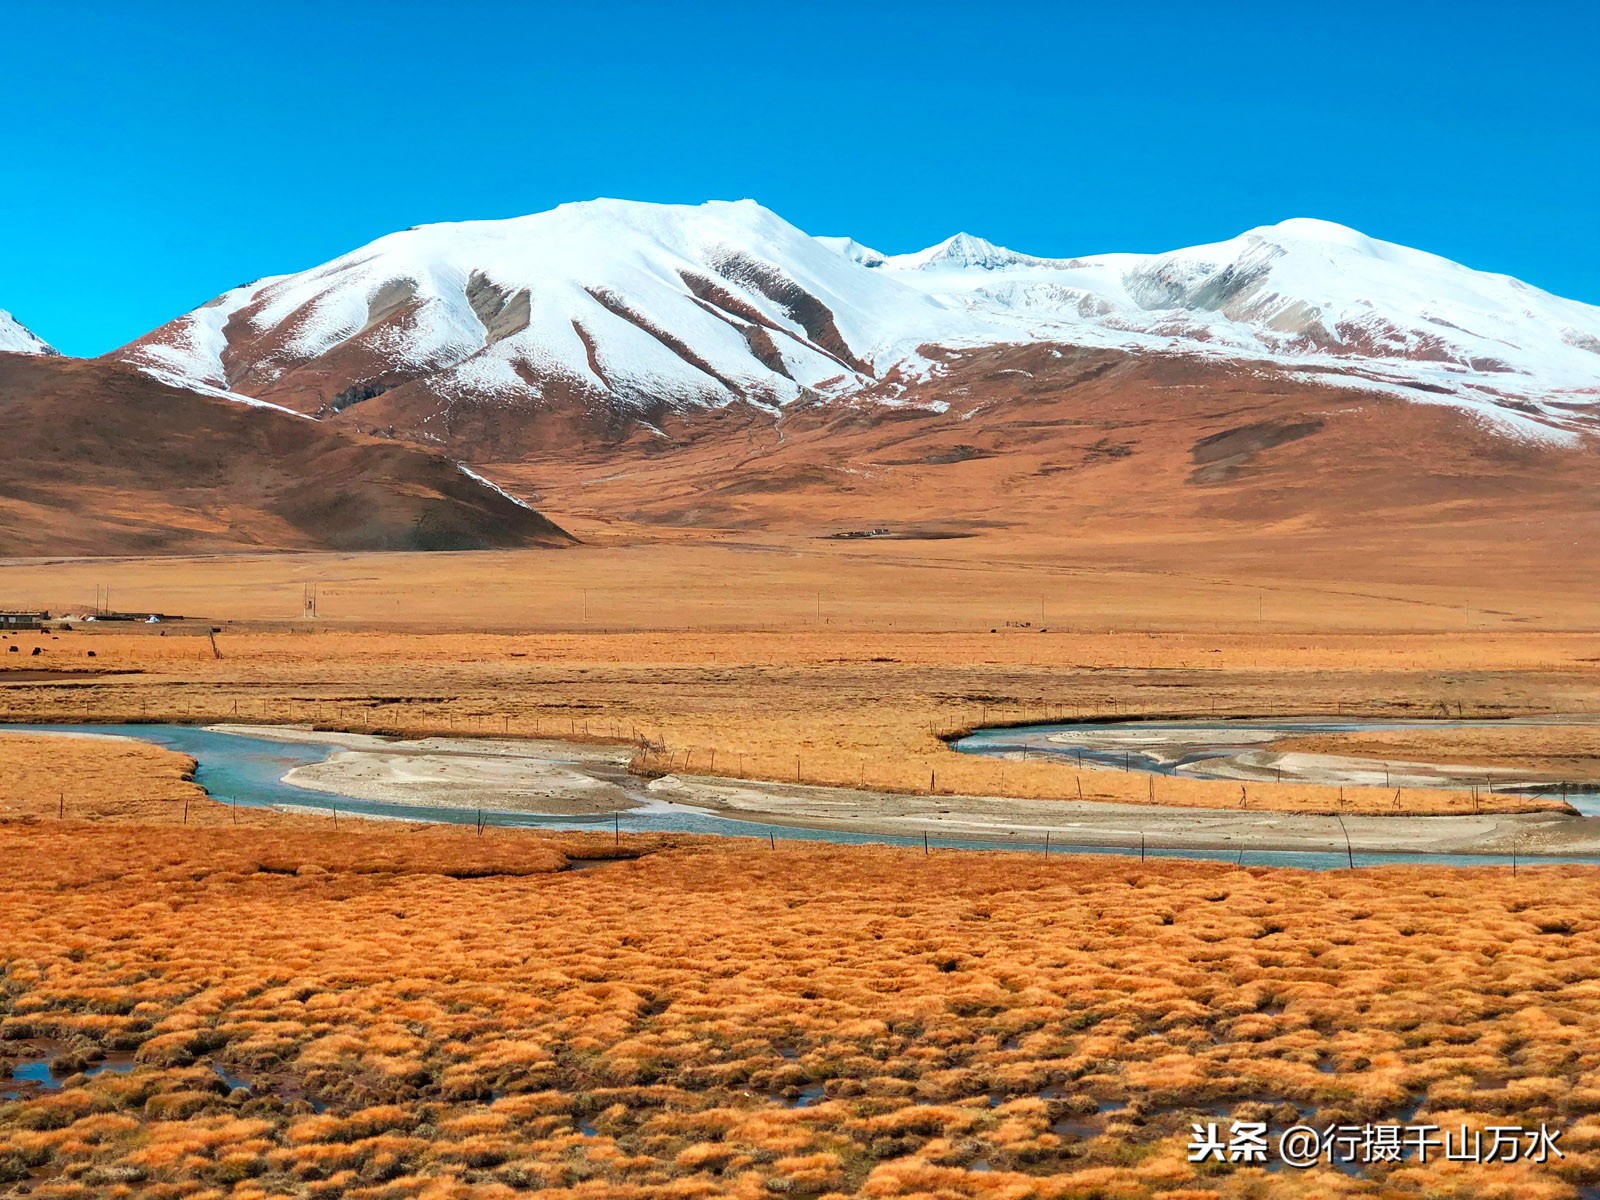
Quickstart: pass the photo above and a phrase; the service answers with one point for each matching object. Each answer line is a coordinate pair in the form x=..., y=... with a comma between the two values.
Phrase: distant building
x=23, y=620
x=861, y=533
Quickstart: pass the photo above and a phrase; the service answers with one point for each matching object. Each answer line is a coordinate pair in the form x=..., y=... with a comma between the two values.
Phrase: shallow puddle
x=40, y=1068
x=803, y=1098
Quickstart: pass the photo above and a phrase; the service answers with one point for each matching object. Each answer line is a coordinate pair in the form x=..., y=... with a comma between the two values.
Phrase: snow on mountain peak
x=1315, y=294
x=961, y=252
x=1312, y=229
x=16, y=338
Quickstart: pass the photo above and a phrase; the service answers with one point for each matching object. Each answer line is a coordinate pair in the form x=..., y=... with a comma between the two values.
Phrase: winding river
x=249, y=771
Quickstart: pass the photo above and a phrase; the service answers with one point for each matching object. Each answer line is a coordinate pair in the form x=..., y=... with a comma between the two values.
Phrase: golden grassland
x=1233, y=578
x=439, y=1014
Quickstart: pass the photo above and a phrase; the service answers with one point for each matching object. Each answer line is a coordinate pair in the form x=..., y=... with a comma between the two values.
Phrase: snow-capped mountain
x=643, y=308
x=637, y=304
x=1305, y=293
x=16, y=338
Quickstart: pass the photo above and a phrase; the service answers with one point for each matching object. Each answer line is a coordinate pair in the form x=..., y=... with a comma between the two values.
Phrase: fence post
x=1349, y=851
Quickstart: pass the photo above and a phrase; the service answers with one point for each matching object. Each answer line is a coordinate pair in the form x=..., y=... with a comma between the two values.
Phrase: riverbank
x=1556, y=748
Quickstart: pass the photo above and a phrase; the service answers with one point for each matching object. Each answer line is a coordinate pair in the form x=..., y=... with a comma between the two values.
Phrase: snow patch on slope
x=494, y=487
x=191, y=352
x=16, y=338
x=174, y=379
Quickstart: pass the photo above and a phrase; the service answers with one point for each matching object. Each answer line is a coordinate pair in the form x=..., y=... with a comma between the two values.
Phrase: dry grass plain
x=424, y=1012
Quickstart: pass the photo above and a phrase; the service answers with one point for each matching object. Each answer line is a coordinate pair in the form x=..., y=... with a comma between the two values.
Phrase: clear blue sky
x=159, y=154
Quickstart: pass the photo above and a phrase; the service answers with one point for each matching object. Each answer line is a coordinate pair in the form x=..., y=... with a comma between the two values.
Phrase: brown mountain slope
x=99, y=459
x=1103, y=458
